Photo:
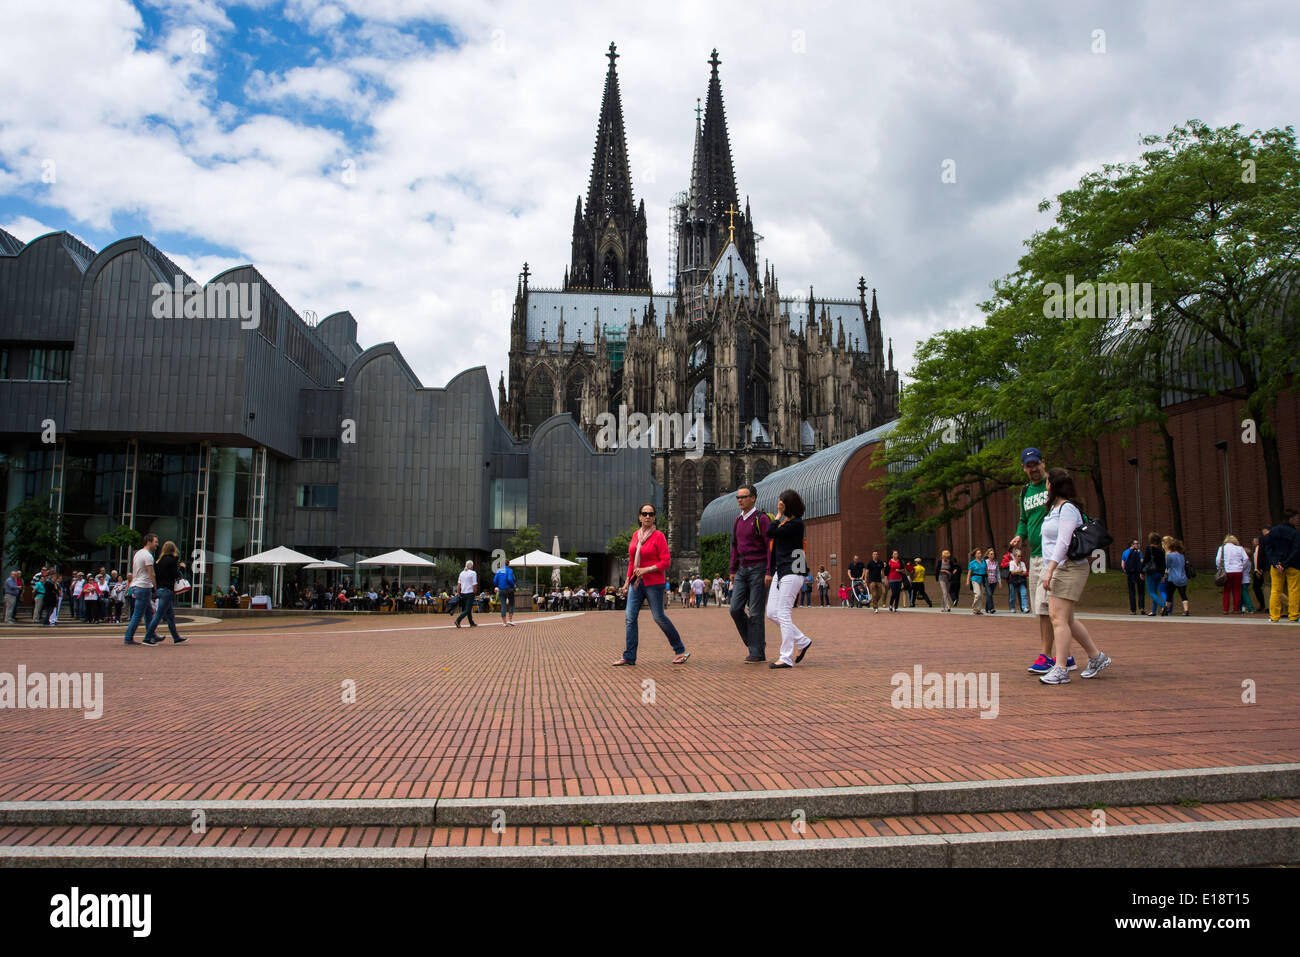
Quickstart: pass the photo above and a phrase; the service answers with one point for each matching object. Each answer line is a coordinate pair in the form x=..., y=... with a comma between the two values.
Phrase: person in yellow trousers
x=1282, y=546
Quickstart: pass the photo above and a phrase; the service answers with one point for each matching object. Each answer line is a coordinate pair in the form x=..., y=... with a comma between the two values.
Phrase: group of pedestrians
x=154, y=580
x=764, y=572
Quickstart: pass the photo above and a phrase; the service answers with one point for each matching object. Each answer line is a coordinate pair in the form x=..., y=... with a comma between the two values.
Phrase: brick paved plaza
x=253, y=708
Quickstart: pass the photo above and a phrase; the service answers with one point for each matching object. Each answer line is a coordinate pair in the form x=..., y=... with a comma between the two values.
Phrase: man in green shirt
x=1029, y=531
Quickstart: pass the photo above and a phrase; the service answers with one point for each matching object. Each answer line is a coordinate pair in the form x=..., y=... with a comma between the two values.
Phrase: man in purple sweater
x=749, y=578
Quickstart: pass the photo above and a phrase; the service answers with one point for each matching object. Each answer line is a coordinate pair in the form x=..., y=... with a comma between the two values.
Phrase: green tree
x=715, y=555
x=124, y=539
x=1210, y=218
x=575, y=576
x=525, y=540
x=36, y=537
x=616, y=548
x=447, y=568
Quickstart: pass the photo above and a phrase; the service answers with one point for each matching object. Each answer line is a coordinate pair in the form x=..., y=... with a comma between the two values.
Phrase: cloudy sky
x=403, y=158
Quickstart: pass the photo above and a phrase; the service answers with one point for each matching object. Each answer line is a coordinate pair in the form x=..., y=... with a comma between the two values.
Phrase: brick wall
x=1195, y=426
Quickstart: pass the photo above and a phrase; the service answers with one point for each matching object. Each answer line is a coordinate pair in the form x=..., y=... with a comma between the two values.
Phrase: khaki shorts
x=1068, y=580
x=1037, y=597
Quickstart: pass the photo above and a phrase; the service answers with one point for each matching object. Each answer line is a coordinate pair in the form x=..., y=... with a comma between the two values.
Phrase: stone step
x=1205, y=785
x=1250, y=833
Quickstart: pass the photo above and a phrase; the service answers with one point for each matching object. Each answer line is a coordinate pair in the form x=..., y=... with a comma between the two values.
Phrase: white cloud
x=473, y=155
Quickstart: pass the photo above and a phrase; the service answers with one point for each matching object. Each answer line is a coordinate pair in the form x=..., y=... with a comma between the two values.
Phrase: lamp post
x=1137, y=481
x=1222, y=446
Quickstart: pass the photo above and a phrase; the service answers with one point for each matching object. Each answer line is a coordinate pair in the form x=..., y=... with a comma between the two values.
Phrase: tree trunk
x=1101, y=492
x=1267, y=438
x=1170, y=472
x=988, y=518
x=947, y=510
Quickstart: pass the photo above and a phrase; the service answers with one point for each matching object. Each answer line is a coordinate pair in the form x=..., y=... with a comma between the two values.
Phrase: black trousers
x=918, y=594
x=1138, y=589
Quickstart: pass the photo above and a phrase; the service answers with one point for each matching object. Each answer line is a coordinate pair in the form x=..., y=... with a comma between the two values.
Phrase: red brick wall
x=1195, y=426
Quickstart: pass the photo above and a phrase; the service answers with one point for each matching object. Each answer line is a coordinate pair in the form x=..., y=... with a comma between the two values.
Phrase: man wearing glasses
x=749, y=578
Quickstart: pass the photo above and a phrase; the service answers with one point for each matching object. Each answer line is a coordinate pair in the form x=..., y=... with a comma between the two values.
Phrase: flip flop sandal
x=681, y=659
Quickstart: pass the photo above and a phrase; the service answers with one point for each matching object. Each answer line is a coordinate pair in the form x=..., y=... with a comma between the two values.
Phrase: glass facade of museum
x=229, y=441
x=150, y=488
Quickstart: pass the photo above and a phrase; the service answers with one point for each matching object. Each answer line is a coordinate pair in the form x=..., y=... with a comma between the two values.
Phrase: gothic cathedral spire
x=609, y=237
x=705, y=226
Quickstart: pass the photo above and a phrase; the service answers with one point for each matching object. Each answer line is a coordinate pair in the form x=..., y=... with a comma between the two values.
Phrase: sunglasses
x=647, y=514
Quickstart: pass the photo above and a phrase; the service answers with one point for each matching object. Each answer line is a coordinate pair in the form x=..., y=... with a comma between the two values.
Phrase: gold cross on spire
x=731, y=222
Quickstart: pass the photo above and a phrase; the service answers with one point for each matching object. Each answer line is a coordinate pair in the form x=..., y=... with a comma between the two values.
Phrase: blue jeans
x=654, y=595
x=749, y=590
x=1020, y=591
x=1154, y=592
x=466, y=608
x=139, y=608
x=166, y=612
x=990, y=588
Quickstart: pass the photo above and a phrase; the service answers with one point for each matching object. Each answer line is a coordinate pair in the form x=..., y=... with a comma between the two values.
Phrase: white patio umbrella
x=327, y=564
x=277, y=558
x=539, y=559
x=555, y=572
x=401, y=558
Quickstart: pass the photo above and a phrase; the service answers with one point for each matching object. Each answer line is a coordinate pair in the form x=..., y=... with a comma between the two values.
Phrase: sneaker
x=1042, y=665
x=1095, y=665
x=150, y=641
x=1057, y=676
x=179, y=641
x=1070, y=665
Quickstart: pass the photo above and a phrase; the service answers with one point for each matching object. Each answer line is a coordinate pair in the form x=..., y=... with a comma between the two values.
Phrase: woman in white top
x=1232, y=558
x=1064, y=578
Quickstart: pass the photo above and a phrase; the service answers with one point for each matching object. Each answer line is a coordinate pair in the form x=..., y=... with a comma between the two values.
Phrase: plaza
x=384, y=735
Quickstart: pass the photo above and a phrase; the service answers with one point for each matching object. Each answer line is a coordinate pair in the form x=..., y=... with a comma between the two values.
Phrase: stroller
x=861, y=595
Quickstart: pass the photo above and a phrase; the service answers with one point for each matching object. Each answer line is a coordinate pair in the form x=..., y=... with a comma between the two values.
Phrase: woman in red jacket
x=647, y=561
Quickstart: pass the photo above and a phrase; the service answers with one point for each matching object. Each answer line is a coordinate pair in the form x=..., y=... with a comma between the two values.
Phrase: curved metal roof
x=816, y=479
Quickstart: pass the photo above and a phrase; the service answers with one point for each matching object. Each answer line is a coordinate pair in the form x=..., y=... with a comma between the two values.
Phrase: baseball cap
x=1030, y=455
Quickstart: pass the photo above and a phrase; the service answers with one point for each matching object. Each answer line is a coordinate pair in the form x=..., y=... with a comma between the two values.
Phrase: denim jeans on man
x=654, y=596
x=749, y=590
x=140, y=608
x=166, y=612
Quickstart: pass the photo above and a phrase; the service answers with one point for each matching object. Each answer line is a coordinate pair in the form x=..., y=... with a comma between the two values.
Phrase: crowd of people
x=1042, y=568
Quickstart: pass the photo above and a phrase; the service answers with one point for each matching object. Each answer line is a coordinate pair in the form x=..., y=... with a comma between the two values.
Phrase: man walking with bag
x=749, y=578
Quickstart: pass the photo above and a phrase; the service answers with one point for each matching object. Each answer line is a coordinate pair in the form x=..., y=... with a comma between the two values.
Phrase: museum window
x=318, y=496
x=318, y=448
x=509, y=503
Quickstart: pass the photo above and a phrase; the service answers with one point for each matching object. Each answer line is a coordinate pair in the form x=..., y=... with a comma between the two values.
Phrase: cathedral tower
x=712, y=213
x=609, y=236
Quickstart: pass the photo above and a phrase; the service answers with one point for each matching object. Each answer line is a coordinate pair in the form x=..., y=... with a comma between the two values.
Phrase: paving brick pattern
x=253, y=709
x=714, y=832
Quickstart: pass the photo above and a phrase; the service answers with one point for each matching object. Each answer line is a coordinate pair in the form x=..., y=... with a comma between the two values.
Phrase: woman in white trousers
x=787, y=564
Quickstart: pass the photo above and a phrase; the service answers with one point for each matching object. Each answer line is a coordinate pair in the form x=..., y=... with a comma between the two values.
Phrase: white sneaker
x=1057, y=676
x=1096, y=665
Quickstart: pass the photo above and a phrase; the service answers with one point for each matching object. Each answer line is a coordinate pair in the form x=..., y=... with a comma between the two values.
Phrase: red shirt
x=895, y=570
x=653, y=552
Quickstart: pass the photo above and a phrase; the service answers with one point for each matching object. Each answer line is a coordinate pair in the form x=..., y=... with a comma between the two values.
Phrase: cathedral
x=770, y=377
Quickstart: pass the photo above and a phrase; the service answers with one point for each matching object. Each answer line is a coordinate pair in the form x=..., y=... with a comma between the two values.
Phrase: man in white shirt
x=142, y=585
x=697, y=587
x=466, y=587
